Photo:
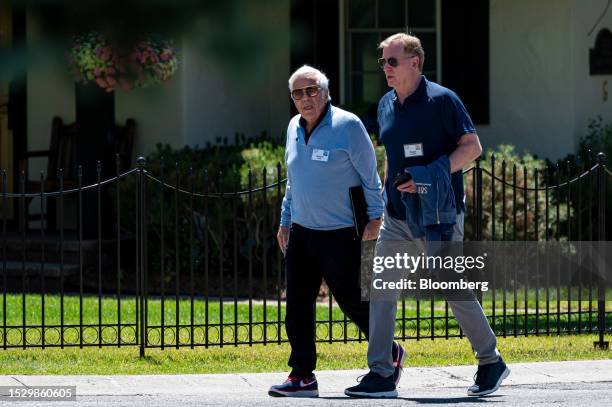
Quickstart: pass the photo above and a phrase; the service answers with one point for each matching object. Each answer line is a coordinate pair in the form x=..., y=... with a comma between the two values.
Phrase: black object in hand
x=360, y=209
x=401, y=179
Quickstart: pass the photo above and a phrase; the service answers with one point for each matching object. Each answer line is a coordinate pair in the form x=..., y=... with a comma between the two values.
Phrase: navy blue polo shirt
x=427, y=125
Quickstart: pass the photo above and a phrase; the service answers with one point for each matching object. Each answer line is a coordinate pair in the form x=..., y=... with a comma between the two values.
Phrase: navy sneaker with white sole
x=373, y=385
x=488, y=378
x=399, y=355
x=296, y=387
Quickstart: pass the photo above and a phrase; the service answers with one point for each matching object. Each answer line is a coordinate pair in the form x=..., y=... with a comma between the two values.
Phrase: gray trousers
x=469, y=314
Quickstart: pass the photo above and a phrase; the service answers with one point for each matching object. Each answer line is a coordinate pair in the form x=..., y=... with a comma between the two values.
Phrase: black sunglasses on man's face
x=392, y=61
x=311, y=91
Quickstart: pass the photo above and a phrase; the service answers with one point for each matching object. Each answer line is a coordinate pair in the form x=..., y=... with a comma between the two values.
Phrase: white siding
x=541, y=92
x=588, y=89
x=248, y=97
x=531, y=86
x=202, y=102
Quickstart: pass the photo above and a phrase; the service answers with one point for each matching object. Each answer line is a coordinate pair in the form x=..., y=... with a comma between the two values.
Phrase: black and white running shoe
x=488, y=378
x=373, y=385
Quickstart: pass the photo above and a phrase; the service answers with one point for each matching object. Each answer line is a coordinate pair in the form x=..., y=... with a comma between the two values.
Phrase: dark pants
x=442, y=232
x=334, y=255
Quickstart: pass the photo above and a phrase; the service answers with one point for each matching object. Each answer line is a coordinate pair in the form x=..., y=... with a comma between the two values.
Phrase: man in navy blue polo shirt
x=421, y=121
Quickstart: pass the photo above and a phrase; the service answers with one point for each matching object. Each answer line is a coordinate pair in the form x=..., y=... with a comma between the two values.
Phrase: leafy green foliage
x=203, y=233
x=498, y=218
x=585, y=194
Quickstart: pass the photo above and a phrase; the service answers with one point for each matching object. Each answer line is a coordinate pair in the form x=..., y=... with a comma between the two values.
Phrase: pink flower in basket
x=93, y=59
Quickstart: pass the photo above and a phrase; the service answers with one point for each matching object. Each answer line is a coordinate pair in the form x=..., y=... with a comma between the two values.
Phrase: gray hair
x=309, y=71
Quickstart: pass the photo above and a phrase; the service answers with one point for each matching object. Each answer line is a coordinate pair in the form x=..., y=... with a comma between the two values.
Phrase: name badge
x=413, y=150
x=320, y=155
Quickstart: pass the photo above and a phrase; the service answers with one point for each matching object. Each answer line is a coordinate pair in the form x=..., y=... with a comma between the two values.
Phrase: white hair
x=309, y=71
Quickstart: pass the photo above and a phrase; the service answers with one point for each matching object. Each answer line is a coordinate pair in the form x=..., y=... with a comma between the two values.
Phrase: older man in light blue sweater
x=323, y=164
x=328, y=151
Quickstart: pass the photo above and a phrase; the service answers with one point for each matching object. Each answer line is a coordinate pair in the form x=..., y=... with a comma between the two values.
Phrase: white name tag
x=320, y=155
x=413, y=150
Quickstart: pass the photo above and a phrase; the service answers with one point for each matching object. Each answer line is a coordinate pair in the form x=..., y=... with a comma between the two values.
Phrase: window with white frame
x=365, y=24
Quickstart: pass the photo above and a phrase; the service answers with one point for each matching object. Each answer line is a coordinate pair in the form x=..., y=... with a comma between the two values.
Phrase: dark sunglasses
x=310, y=91
x=392, y=61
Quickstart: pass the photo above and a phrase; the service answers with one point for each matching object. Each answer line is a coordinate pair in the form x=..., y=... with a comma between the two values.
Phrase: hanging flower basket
x=93, y=59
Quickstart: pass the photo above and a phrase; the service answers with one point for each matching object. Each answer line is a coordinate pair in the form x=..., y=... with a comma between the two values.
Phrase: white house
x=521, y=67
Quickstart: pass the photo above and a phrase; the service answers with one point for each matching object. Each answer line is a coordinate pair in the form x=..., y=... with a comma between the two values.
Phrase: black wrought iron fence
x=185, y=260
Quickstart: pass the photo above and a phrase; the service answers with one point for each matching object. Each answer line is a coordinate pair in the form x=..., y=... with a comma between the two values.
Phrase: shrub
x=598, y=139
x=246, y=222
x=526, y=166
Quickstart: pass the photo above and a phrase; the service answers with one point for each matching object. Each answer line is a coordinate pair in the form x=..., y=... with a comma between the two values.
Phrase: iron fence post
x=141, y=316
x=478, y=175
x=601, y=237
x=479, y=200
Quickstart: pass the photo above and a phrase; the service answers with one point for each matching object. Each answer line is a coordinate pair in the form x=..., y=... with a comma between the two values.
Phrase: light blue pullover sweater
x=339, y=155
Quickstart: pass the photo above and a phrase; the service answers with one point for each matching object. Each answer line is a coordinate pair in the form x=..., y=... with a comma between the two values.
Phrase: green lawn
x=111, y=306
x=207, y=316
x=256, y=358
x=259, y=358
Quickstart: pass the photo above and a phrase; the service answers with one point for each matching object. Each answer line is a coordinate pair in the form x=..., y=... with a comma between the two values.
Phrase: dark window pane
x=421, y=13
x=367, y=88
x=364, y=52
x=428, y=41
x=362, y=13
x=391, y=13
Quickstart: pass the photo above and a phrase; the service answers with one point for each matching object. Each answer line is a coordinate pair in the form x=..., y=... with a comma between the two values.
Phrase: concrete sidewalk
x=549, y=383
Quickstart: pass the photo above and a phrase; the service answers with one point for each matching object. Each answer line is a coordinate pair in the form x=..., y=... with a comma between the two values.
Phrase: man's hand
x=371, y=230
x=283, y=238
x=409, y=187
